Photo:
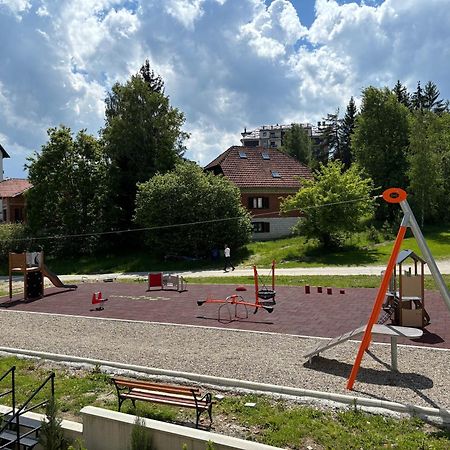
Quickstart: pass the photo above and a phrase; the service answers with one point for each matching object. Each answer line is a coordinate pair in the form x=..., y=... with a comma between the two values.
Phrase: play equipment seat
x=166, y=281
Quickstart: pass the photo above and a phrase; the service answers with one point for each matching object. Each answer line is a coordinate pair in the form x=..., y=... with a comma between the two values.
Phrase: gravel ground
x=260, y=357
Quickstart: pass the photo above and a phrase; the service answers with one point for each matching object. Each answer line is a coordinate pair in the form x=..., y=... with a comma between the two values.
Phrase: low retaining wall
x=110, y=430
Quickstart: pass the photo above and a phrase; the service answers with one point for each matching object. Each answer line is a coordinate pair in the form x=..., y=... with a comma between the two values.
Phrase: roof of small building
x=260, y=167
x=405, y=254
x=3, y=152
x=13, y=187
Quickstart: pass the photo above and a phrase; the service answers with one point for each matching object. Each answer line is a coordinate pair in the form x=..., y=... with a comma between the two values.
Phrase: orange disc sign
x=394, y=195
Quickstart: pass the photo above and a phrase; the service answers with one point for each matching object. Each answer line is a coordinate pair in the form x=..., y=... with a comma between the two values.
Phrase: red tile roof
x=13, y=187
x=255, y=171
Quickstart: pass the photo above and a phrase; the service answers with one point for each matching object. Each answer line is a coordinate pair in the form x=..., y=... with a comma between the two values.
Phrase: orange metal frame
x=234, y=299
x=392, y=195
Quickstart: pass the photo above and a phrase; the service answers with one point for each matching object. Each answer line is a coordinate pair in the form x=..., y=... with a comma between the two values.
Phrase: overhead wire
x=185, y=224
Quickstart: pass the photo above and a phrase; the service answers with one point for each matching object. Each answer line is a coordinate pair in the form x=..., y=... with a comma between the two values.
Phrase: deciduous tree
x=297, y=143
x=191, y=212
x=69, y=178
x=380, y=140
x=334, y=204
x=143, y=136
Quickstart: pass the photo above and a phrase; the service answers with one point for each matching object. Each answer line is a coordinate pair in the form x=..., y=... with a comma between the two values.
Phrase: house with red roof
x=13, y=200
x=264, y=176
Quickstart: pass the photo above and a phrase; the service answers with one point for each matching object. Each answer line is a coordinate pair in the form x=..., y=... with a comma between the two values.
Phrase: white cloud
x=227, y=64
x=273, y=28
x=185, y=11
x=15, y=6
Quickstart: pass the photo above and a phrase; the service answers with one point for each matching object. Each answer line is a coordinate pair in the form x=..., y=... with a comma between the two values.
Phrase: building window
x=261, y=227
x=272, y=134
x=265, y=155
x=273, y=144
x=258, y=202
x=242, y=155
x=275, y=174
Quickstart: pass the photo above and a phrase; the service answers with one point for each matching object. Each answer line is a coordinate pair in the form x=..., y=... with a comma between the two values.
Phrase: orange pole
x=377, y=306
x=255, y=278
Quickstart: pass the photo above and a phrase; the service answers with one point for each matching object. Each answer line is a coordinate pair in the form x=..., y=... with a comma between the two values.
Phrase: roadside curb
x=413, y=410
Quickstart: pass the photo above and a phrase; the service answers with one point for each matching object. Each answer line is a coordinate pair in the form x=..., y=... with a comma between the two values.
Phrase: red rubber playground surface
x=316, y=315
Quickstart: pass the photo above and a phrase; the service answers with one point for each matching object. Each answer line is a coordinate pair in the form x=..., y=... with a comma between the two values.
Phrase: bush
x=13, y=238
x=140, y=436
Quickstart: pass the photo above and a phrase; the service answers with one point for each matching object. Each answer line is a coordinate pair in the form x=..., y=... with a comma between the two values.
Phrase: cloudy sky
x=227, y=64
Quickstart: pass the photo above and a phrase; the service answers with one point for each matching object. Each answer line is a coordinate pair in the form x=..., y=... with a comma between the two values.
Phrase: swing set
x=264, y=298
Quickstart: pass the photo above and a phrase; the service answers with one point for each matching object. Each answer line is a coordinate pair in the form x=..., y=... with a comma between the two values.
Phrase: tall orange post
x=392, y=195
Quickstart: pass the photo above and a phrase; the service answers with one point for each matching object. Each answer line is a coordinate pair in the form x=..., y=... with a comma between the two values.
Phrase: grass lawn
x=290, y=252
x=275, y=422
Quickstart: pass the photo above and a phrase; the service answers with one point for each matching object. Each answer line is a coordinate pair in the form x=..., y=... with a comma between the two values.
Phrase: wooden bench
x=146, y=391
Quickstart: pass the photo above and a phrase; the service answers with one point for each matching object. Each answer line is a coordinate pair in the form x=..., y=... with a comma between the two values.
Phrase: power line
x=185, y=224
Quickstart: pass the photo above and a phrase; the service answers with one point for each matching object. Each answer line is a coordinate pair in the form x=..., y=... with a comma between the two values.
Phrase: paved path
x=443, y=265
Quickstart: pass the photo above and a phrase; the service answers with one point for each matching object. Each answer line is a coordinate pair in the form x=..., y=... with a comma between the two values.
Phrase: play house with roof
x=264, y=176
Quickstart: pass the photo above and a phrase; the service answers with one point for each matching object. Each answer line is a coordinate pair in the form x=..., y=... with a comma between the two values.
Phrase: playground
x=296, y=313
x=220, y=332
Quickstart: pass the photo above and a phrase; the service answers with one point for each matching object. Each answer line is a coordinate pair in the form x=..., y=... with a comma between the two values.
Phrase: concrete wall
x=110, y=430
x=279, y=227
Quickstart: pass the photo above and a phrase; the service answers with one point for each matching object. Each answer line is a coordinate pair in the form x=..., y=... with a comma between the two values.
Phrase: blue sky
x=227, y=64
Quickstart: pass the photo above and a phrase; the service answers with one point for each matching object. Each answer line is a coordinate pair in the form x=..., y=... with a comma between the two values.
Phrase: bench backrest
x=142, y=384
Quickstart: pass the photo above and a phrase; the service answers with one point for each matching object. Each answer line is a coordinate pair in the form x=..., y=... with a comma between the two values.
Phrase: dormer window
x=242, y=155
x=265, y=155
x=275, y=174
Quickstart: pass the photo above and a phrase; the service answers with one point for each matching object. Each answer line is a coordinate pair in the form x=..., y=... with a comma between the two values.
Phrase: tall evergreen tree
x=297, y=143
x=425, y=164
x=154, y=81
x=330, y=135
x=142, y=135
x=417, y=98
x=380, y=140
x=431, y=101
x=402, y=94
x=346, y=131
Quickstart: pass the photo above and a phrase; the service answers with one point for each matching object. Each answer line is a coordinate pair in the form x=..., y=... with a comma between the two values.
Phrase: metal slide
x=386, y=330
x=55, y=279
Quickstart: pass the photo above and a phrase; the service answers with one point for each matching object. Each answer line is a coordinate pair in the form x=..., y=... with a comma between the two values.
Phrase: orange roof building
x=13, y=200
x=264, y=176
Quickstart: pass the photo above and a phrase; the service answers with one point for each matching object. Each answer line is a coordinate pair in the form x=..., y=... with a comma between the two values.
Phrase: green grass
x=278, y=423
x=290, y=252
x=338, y=281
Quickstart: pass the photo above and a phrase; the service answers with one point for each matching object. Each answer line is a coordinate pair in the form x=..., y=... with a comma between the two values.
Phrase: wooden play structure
x=31, y=266
x=264, y=298
x=166, y=281
x=409, y=295
x=405, y=297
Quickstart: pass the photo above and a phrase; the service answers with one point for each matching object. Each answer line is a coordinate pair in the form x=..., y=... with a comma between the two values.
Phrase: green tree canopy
x=69, y=190
x=187, y=195
x=425, y=164
x=380, y=139
x=334, y=204
x=402, y=94
x=143, y=136
x=345, y=134
x=297, y=143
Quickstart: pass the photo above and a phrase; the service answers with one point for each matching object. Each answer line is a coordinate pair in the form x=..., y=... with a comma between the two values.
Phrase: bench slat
x=155, y=386
x=180, y=396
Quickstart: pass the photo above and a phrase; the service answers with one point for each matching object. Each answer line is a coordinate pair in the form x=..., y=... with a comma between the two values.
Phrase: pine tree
x=417, y=99
x=402, y=94
x=345, y=135
x=431, y=100
x=155, y=82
